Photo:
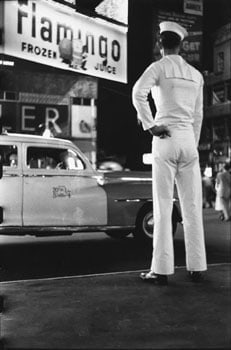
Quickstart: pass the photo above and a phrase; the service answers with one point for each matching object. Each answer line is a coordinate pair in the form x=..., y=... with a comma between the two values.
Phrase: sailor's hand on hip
x=160, y=130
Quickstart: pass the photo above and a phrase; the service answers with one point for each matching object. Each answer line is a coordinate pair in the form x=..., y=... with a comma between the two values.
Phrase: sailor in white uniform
x=177, y=91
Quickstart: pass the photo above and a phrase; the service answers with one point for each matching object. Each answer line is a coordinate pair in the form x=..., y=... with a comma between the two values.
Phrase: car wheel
x=145, y=223
x=117, y=234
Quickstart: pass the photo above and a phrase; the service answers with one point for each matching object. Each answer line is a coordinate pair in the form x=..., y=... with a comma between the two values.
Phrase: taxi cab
x=49, y=187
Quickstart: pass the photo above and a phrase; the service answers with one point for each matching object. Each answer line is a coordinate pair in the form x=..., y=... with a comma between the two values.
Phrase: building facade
x=72, y=71
x=215, y=145
x=52, y=58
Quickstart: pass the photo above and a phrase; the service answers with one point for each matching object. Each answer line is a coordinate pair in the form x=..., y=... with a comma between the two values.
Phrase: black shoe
x=154, y=278
x=195, y=276
x=221, y=217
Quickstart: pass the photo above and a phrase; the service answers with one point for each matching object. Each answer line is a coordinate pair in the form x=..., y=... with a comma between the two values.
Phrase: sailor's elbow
x=136, y=94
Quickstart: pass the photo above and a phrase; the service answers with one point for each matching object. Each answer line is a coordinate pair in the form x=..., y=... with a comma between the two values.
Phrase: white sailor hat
x=168, y=26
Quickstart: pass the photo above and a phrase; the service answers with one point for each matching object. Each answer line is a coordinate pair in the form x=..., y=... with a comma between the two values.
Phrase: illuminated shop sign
x=32, y=116
x=194, y=7
x=50, y=34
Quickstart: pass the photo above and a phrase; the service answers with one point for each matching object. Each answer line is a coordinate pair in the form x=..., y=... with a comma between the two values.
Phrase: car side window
x=53, y=158
x=9, y=155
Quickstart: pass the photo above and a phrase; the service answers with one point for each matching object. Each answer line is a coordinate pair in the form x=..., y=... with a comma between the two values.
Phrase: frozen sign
x=50, y=34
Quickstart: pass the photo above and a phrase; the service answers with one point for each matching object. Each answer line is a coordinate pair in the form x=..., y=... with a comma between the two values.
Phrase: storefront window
x=219, y=93
x=220, y=62
x=219, y=130
x=221, y=142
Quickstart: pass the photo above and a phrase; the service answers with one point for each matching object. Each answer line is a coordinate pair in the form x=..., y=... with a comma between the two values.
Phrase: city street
x=29, y=257
x=93, y=297
x=109, y=108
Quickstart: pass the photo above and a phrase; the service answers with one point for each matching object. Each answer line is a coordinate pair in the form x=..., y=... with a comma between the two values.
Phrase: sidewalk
x=119, y=311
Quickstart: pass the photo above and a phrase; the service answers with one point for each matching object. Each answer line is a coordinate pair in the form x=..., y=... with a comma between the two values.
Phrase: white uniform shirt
x=177, y=90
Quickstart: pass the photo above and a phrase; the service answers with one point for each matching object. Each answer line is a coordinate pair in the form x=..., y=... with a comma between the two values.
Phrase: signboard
x=191, y=45
x=83, y=122
x=55, y=35
x=34, y=118
x=53, y=117
x=118, y=10
x=194, y=7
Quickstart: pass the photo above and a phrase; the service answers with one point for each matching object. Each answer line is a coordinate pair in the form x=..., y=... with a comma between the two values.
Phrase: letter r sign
x=51, y=116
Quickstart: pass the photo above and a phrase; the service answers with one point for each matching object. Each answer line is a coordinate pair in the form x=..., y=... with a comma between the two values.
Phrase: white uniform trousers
x=176, y=158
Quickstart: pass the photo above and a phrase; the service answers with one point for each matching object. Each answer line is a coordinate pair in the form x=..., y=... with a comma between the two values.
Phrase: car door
x=11, y=184
x=56, y=194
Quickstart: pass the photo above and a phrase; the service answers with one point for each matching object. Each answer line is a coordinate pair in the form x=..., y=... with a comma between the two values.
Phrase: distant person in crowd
x=223, y=193
x=208, y=191
x=177, y=90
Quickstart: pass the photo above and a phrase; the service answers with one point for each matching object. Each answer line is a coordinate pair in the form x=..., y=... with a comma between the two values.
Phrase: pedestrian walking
x=223, y=193
x=177, y=91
